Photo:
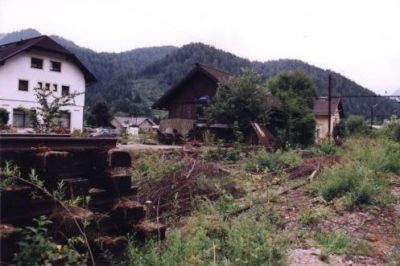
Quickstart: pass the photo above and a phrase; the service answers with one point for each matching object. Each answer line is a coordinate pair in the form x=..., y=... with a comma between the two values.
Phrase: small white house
x=35, y=62
x=133, y=124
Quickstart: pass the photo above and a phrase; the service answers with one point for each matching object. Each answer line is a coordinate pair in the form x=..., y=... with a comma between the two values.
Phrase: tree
x=356, y=125
x=4, y=117
x=47, y=116
x=296, y=93
x=99, y=115
x=239, y=101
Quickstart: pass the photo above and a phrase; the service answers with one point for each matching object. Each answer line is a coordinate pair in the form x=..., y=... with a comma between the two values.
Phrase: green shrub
x=356, y=125
x=327, y=148
x=337, y=242
x=353, y=182
x=208, y=239
x=8, y=173
x=37, y=248
x=155, y=166
x=264, y=161
x=381, y=156
x=211, y=154
x=391, y=129
x=339, y=130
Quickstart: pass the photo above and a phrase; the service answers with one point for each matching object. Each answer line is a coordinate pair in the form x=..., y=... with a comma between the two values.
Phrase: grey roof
x=130, y=121
x=43, y=43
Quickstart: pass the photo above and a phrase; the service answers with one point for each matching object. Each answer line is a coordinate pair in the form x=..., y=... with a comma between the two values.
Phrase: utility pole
x=329, y=104
x=372, y=116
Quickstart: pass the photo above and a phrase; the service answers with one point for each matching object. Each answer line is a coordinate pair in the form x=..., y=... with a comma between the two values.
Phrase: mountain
x=168, y=70
x=131, y=81
x=18, y=35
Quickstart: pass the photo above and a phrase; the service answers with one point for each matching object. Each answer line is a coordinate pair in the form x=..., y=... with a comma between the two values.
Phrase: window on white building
x=65, y=120
x=55, y=87
x=47, y=86
x=55, y=66
x=23, y=85
x=21, y=119
x=64, y=90
x=36, y=63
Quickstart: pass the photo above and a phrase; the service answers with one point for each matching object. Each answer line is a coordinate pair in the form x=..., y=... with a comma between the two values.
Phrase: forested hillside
x=131, y=81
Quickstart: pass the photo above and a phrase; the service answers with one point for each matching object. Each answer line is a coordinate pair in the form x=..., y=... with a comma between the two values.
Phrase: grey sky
x=358, y=38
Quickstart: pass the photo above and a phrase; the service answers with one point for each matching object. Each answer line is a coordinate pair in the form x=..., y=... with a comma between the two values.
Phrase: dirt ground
x=374, y=227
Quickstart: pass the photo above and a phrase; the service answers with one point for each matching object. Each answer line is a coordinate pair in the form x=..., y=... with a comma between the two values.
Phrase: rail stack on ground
x=92, y=169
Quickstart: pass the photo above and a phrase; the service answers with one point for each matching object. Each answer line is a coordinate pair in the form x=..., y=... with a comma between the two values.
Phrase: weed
x=208, y=239
x=154, y=166
x=8, y=174
x=37, y=248
x=264, y=161
x=336, y=242
x=355, y=183
x=327, y=148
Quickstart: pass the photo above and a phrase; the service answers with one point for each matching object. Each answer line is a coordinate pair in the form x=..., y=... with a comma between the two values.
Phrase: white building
x=41, y=61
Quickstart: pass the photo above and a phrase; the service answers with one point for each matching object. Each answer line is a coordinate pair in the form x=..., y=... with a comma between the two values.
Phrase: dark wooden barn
x=195, y=89
x=185, y=101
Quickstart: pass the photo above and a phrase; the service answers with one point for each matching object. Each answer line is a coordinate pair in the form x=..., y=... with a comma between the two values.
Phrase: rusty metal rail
x=13, y=142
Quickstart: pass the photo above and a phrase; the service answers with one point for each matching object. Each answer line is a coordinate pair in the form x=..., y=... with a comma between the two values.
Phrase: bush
x=37, y=248
x=391, y=129
x=356, y=125
x=337, y=242
x=264, y=161
x=339, y=130
x=155, y=167
x=208, y=239
x=352, y=182
x=4, y=117
x=327, y=148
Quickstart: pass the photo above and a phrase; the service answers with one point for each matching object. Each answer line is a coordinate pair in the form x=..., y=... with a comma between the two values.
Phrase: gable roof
x=321, y=106
x=43, y=43
x=130, y=121
x=213, y=73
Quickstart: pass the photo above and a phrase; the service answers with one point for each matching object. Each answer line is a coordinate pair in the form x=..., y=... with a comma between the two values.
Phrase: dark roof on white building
x=43, y=43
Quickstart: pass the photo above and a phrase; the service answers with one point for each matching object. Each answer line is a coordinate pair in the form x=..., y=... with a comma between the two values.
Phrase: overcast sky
x=360, y=39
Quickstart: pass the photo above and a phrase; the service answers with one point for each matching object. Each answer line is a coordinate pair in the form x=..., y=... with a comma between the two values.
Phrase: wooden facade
x=184, y=100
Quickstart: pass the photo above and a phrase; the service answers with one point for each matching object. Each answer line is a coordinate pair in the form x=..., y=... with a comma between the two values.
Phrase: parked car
x=105, y=132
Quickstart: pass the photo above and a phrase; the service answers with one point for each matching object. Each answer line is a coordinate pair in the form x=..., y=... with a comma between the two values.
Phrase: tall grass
x=363, y=180
x=209, y=239
x=336, y=242
x=264, y=161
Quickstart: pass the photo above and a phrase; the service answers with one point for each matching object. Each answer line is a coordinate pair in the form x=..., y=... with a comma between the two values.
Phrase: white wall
x=19, y=67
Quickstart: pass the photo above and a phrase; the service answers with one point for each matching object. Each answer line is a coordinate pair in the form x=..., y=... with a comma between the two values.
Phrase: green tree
x=47, y=115
x=239, y=101
x=356, y=125
x=4, y=117
x=99, y=115
x=296, y=92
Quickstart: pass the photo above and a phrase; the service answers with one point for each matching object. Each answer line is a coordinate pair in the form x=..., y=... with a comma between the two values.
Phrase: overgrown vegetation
x=363, y=180
x=336, y=242
x=38, y=248
x=264, y=161
x=209, y=239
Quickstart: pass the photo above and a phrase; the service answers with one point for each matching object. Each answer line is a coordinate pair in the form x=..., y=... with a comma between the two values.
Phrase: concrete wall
x=19, y=67
x=322, y=123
